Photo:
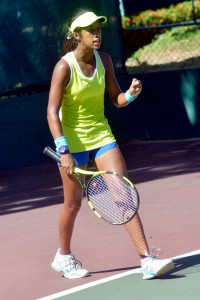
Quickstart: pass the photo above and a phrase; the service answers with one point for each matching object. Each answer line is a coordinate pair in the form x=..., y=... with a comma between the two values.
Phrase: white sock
x=64, y=255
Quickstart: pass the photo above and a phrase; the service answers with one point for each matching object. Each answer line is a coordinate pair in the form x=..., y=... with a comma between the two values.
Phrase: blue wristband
x=128, y=96
x=61, y=141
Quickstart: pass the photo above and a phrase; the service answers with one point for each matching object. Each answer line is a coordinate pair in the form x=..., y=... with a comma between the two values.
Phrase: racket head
x=112, y=197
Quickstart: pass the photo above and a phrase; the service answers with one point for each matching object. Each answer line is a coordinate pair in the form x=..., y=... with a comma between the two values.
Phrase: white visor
x=86, y=20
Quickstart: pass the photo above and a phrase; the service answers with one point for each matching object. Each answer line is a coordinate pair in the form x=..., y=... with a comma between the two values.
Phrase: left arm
x=112, y=86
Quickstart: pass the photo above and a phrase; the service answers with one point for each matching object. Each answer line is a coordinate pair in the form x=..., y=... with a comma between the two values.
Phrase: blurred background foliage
x=177, y=13
x=163, y=39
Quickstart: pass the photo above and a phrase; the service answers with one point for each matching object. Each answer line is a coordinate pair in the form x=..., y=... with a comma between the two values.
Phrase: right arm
x=112, y=86
x=60, y=78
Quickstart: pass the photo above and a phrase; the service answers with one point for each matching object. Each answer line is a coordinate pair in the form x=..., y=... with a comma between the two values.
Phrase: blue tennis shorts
x=82, y=158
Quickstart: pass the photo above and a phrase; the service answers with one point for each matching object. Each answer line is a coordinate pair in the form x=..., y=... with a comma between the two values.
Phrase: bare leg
x=136, y=231
x=112, y=160
x=72, y=202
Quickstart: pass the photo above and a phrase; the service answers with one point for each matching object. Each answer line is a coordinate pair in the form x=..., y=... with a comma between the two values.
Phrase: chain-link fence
x=164, y=39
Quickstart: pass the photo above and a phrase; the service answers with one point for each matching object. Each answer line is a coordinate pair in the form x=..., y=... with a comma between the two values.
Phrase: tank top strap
x=67, y=58
x=99, y=61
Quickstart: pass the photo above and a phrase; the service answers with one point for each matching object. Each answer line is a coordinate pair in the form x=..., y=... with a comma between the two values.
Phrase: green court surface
x=180, y=284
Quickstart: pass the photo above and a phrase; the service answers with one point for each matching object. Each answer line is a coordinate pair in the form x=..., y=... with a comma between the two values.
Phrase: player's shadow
x=189, y=264
x=115, y=270
x=183, y=267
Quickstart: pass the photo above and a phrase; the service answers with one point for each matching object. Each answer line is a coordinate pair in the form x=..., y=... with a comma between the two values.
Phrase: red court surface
x=167, y=175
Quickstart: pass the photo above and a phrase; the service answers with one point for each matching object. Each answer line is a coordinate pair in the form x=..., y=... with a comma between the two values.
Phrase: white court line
x=187, y=254
x=107, y=279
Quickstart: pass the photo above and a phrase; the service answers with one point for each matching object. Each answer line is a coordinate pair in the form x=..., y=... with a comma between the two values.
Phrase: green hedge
x=181, y=12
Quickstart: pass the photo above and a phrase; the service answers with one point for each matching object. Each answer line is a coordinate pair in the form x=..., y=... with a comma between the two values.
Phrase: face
x=91, y=36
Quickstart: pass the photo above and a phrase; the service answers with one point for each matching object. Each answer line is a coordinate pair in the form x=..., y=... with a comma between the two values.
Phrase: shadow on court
x=30, y=188
x=40, y=185
x=191, y=263
x=155, y=160
x=30, y=201
x=183, y=266
x=114, y=270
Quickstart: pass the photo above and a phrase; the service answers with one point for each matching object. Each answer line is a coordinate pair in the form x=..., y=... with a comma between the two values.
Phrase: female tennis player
x=81, y=133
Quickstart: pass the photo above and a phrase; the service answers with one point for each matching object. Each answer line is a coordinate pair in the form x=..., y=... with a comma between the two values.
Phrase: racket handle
x=52, y=154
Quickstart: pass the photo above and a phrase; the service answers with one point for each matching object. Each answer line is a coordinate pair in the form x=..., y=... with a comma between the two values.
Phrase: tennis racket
x=111, y=196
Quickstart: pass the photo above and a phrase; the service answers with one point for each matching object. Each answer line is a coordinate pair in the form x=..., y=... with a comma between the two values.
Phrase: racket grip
x=52, y=154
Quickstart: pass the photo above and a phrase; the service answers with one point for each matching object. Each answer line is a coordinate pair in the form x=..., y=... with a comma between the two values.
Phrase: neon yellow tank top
x=82, y=112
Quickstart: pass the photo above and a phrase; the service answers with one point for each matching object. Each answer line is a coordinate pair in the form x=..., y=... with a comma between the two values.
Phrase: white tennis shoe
x=69, y=266
x=153, y=267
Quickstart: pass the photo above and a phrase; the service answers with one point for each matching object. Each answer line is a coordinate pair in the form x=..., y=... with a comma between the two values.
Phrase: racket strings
x=115, y=199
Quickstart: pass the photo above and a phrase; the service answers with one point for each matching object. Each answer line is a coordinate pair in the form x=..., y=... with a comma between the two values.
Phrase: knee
x=75, y=208
x=72, y=207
